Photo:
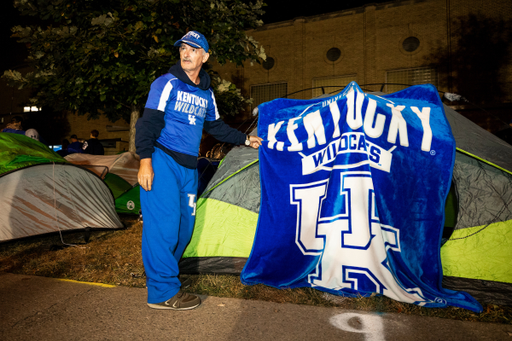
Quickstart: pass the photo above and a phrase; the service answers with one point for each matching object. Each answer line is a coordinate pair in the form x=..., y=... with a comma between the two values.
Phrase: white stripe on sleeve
x=217, y=116
x=164, y=97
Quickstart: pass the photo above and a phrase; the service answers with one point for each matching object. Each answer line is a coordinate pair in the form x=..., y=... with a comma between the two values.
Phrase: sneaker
x=180, y=301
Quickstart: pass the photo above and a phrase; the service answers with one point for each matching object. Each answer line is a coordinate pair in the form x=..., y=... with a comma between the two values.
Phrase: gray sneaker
x=180, y=301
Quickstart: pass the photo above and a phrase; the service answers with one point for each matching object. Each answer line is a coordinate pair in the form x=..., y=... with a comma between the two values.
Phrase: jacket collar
x=204, y=78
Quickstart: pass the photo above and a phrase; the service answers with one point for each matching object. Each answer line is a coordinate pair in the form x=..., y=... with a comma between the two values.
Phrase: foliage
x=100, y=56
x=477, y=59
x=228, y=97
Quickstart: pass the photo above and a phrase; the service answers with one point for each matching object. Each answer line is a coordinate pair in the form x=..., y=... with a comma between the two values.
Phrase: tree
x=99, y=57
x=476, y=62
x=480, y=55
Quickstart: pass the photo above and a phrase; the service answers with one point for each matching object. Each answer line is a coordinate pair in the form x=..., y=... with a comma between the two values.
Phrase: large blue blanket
x=353, y=190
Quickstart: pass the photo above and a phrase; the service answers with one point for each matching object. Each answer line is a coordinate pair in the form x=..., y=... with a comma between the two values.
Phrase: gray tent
x=40, y=192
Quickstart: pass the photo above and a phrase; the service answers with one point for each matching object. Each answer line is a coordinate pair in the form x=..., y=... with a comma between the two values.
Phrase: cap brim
x=188, y=42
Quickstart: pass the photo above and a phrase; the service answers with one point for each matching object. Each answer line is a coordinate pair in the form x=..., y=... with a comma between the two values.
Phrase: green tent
x=477, y=257
x=226, y=216
x=40, y=192
x=477, y=250
x=129, y=201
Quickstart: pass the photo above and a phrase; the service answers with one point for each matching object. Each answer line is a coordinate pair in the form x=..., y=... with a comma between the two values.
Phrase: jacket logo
x=192, y=120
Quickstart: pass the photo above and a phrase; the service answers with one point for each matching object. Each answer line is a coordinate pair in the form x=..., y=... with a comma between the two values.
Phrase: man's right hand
x=146, y=174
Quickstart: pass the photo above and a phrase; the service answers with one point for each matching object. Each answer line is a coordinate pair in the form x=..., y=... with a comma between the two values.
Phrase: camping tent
x=226, y=216
x=119, y=173
x=40, y=192
x=477, y=258
x=476, y=255
x=124, y=165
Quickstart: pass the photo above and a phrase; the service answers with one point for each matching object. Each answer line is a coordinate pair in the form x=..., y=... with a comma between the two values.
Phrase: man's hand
x=146, y=175
x=255, y=141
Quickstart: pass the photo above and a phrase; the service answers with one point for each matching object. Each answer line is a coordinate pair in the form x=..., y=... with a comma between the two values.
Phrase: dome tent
x=478, y=227
x=125, y=165
x=40, y=192
x=119, y=172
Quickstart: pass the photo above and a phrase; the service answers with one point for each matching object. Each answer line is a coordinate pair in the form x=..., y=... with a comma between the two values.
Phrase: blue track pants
x=168, y=211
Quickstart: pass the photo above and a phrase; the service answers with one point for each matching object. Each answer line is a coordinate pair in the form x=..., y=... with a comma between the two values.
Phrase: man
x=179, y=105
x=15, y=126
x=93, y=145
x=75, y=146
x=64, y=151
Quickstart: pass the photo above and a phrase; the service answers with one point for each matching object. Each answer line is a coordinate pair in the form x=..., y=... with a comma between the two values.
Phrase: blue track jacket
x=174, y=116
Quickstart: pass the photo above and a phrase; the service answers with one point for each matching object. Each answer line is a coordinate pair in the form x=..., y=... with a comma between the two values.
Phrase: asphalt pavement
x=38, y=308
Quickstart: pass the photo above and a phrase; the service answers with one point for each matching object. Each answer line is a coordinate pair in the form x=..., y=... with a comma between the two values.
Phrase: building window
x=268, y=63
x=411, y=44
x=327, y=85
x=400, y=79
x=333, y=54
x=30, y=109
x=267, y=92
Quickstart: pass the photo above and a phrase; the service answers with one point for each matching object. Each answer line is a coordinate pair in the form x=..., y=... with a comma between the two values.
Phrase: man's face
x=192, y=58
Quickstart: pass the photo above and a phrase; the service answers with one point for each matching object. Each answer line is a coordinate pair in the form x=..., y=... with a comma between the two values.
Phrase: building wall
x=371, y=42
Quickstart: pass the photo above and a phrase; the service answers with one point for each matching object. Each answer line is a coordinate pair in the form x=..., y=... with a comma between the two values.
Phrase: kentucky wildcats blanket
x=353, y=189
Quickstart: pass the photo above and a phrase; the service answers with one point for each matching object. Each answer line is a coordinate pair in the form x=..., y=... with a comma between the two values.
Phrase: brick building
x=460, y=46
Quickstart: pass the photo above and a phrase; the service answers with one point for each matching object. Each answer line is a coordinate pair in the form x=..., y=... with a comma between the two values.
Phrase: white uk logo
x=192, y=120
x=192, y=203
x=345, y=232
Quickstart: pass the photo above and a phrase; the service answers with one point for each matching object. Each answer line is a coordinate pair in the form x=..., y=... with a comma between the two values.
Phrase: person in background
x=15, y=127
x=64, y=151
x=33, y=134
x=75, y=146
x=93, y=145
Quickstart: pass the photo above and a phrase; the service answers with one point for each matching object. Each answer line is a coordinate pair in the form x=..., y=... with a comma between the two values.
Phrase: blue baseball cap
x=194, y=39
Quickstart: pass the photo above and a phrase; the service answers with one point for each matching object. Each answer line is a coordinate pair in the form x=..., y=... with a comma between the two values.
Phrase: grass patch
x=114, y=257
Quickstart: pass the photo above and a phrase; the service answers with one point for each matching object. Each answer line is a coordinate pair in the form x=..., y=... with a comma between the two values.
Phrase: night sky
x=10, y=49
